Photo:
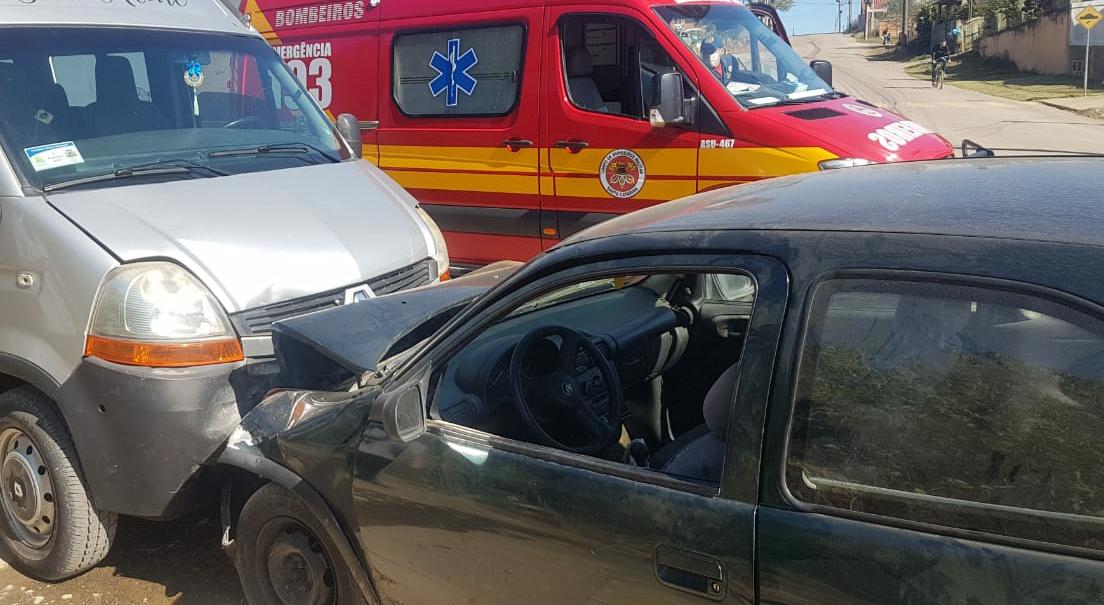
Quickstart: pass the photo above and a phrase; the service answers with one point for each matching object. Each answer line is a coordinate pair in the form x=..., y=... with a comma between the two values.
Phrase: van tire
x=81, y=535
x=275, y=520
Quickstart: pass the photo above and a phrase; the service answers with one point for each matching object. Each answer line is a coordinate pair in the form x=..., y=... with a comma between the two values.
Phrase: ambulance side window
x=469, y=72
x=611, y=63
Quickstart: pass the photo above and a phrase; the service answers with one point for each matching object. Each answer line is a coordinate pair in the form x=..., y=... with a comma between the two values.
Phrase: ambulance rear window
x=458, y=72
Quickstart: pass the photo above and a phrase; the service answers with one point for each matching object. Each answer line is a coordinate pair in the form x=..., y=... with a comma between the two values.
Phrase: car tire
x=41, y=481
x=284, y=557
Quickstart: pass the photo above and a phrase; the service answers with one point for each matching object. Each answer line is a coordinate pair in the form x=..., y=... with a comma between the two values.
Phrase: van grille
x=259, y=321
x=816, y=113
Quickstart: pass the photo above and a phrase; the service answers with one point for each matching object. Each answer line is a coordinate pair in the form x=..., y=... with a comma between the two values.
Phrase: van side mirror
x=403, y=414
x=349, y=129
x=823, y=69
x=669, y=108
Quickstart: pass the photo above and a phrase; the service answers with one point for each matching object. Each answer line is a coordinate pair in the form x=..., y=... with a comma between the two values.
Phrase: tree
x=780, y=5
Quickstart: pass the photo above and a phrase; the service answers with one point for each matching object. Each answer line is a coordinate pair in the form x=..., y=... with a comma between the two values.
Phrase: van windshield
x=94, y=107
x=756, y=66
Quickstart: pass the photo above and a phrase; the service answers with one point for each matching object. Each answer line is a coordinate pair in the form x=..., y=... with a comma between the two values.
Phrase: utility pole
x=902, y=38
x=839, y=14
x=848, y=15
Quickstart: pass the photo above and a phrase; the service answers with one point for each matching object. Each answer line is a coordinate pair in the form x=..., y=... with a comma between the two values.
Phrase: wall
x=1041, y=46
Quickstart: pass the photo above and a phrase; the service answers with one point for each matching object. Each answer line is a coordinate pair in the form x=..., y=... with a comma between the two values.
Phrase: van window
x=611, y=63
x=958, y=406
x=756, y=66
x=466, y=72
x=81, y=106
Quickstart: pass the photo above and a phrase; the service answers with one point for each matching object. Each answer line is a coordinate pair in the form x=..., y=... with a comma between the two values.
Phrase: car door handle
x=514, y=143
x=690, y=571
x=572, y=145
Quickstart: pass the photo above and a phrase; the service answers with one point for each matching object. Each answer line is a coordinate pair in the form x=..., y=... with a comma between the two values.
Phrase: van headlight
x=844, y=163
x=440, y=248
x=157, y=314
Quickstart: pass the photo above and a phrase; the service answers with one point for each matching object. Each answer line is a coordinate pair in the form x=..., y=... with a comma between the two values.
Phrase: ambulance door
x=333, y=49
x=605, y=155
x=459, y=123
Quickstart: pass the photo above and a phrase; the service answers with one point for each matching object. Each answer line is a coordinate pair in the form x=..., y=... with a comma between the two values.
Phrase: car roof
x=1052, y=199
x=198, y=15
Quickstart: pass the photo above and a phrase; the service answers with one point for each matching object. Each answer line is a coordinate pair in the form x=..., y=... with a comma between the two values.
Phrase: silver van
x=168, y=190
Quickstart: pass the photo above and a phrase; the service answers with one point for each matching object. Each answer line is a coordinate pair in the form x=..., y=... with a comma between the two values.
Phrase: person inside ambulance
x=757, y=67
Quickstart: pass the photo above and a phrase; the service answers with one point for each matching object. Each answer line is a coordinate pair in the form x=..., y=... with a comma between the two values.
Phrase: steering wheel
x=583, y=389
x=246, y=122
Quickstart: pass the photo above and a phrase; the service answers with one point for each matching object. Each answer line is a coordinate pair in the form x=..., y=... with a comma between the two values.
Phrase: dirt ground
x=151, y=563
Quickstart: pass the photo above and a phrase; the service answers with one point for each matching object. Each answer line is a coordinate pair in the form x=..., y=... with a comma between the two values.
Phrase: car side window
x=611, y=64
x=566, y=369
x=459, y=72
x=967, y=407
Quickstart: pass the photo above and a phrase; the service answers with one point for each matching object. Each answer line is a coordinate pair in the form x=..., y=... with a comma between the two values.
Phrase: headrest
x=579, y=63
x=718, y=401
x=115, y=80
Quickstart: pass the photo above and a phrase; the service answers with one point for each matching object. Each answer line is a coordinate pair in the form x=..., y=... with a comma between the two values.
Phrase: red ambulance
x=519, y=122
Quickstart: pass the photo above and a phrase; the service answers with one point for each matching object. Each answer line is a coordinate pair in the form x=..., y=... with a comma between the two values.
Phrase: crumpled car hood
x=320, y=349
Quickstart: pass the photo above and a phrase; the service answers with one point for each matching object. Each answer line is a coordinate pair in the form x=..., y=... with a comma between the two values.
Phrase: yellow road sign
x=1089, y=17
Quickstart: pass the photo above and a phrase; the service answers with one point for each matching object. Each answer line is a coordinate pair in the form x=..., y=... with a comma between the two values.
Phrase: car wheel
x=51, y=528
x=284, y=556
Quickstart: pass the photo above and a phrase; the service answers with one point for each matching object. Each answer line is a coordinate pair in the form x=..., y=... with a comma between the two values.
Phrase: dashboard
x=634, y=326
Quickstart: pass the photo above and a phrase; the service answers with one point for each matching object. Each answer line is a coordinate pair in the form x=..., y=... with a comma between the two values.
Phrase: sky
x=815, y=16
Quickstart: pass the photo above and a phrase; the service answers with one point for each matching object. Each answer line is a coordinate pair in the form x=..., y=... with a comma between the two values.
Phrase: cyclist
x=940, y=56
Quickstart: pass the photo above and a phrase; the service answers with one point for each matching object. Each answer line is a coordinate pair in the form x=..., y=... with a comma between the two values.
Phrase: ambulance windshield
x=757, y=67
x=100, y=107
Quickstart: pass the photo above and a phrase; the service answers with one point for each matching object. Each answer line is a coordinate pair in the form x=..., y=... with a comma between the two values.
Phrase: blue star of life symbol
x=452, y=72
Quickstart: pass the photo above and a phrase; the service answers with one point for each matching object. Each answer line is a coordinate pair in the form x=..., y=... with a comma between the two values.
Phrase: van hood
x=856, y=129
x=261, y=237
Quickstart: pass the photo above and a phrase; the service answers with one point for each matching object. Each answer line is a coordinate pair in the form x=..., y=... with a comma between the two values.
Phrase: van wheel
x=51, y=527
x=284, y=556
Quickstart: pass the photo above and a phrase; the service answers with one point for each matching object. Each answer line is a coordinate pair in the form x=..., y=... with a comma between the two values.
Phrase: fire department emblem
x=622, y=173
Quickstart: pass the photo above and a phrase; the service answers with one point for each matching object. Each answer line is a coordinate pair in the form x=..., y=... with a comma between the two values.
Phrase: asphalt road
x=151, y=563
x=953, y=112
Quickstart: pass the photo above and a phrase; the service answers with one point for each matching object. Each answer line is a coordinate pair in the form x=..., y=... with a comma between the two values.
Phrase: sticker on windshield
x=55, y=155
x=622, y=173
x=863, y=110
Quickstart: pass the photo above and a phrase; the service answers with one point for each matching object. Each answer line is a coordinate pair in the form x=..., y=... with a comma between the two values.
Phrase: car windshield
x=756, y=66
x=91, y=107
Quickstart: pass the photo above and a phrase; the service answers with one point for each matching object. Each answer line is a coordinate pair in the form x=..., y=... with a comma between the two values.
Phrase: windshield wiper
x=801, y=101
x=274, y=149
x=140, y=170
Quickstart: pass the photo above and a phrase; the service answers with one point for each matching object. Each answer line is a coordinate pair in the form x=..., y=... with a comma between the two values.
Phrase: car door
x=605, y=156
x=459, y=126
x=461, y=515
x=943, y=447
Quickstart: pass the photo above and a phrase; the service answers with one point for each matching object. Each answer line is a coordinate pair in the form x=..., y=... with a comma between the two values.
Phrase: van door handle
x=514, y=143
x=690, y=572
x=572, y=145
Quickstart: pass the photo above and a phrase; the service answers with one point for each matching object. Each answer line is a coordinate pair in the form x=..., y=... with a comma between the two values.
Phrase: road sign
x=1089, y=17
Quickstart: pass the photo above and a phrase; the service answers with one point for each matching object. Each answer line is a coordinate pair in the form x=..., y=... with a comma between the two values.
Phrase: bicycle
x=939, y=72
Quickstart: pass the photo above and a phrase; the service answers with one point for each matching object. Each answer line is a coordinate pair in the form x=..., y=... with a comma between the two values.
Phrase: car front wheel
x=52, y=530
x=284, y=556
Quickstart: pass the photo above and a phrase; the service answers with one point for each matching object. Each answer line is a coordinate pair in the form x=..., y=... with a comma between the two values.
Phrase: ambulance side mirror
x=670, y=107
x=349, y=129
x=823, y=69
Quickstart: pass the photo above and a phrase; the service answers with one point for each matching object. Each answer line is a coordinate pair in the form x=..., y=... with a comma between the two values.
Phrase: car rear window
x=966, y=407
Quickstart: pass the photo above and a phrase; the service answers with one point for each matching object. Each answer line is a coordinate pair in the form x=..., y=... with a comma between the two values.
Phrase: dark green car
x=784, y=393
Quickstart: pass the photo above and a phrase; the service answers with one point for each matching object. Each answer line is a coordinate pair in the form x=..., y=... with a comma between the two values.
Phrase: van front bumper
x=145, y=435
